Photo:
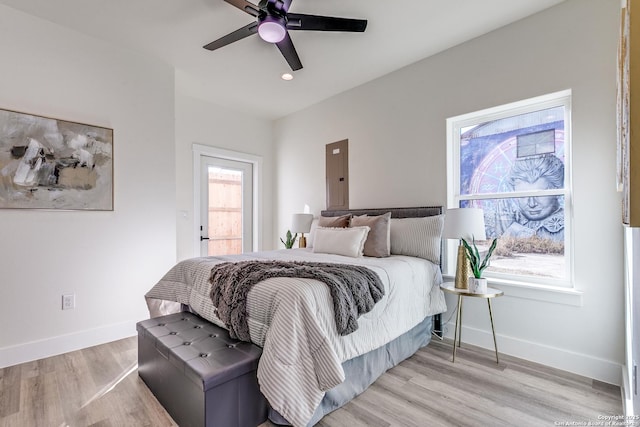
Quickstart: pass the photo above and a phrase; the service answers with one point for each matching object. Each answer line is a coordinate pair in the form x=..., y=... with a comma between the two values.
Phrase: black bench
x=199, y=374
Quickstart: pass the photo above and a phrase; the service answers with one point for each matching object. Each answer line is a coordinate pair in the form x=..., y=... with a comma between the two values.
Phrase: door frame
x=245, y=171
x=200, y=150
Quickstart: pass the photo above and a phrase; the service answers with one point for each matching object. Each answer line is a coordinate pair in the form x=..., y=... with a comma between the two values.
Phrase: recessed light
x=287, y=76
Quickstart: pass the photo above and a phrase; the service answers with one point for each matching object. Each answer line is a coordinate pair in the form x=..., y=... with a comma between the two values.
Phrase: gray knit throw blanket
x=354, y=289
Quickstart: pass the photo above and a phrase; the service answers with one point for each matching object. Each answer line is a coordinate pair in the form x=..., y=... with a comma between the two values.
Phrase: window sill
x=552, y=294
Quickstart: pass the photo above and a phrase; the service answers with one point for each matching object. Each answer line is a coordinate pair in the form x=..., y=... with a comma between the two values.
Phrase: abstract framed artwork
x=47, y=163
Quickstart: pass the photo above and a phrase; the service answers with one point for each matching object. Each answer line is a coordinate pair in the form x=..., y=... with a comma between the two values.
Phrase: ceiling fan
x=273, y=22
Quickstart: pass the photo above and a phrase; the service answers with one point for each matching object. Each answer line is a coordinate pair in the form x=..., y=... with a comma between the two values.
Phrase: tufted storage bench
x=199, y=374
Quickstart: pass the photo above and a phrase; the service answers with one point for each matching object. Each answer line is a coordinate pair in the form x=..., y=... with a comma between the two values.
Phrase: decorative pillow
x=378, y=242
x=334, y=221
x=340, y=241
x=418, y=237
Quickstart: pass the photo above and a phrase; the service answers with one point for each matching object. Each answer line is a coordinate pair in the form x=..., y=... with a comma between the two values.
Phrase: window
x=513, y=161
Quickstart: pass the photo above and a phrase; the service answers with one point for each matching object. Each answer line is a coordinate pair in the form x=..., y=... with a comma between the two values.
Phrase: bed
x=308, y=368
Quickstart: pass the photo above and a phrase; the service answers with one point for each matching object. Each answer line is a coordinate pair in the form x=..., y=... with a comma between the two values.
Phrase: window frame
x=454, y=127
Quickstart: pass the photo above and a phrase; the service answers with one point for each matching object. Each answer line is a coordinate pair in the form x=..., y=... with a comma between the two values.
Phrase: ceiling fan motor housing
x=272, y=28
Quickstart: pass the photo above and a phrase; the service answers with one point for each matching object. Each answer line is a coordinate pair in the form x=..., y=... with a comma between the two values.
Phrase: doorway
x=226, y=206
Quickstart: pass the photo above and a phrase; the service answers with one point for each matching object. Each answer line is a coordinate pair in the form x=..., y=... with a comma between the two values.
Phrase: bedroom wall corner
x=108, y=259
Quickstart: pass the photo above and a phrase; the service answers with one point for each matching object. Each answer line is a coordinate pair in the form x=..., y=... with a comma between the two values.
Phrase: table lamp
x=301, y=223
x=463, y=223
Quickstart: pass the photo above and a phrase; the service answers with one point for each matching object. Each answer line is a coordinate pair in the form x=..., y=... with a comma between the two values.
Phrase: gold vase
x=462, y=270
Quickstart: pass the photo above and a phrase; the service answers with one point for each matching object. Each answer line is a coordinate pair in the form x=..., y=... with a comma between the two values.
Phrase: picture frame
x=628, y=105
x=623, y=96
x=48, y=163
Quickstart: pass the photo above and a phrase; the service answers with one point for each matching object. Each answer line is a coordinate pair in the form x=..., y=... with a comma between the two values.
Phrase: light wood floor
x=99, y=386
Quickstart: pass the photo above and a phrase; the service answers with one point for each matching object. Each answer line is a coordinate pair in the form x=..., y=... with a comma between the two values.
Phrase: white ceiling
x=245, y=75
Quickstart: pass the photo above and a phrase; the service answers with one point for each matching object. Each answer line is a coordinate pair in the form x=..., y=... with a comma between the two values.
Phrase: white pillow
x=418, y=237
x=340, y=241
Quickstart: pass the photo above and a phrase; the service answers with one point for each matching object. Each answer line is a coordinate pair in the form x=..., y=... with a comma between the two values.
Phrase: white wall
x=200, y=122
x=108, y=259
x=396, y=131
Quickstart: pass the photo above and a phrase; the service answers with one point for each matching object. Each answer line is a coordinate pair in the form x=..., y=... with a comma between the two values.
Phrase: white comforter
x=292, y=320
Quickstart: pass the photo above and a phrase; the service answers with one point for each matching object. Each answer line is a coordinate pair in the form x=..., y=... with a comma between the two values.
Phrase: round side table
x=491, y=293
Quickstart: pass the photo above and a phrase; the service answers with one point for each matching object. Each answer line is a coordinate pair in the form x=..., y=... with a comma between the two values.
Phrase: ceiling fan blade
x=289, y=52
x=244, y=5
x=238, y=34
x=298, y=21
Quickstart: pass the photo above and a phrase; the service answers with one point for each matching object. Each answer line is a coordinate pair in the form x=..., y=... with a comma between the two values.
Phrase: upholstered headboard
x=395, y=212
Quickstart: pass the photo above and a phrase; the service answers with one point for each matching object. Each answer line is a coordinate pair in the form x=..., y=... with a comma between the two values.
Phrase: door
x=226, y=202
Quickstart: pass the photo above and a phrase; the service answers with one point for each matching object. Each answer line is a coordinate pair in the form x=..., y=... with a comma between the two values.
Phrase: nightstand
x=457, y=336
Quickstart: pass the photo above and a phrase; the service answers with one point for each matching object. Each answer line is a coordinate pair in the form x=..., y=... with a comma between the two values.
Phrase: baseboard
x=566, y=360
x=53, y=346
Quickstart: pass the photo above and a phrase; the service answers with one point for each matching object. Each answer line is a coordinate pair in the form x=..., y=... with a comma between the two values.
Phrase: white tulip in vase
x=477, y=283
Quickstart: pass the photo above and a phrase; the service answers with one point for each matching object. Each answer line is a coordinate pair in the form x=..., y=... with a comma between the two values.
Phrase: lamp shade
x=301, y=223
x=464, y=223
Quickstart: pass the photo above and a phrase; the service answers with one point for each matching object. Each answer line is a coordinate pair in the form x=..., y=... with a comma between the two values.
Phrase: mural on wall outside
x=503, y=164
x=502, y=157
x=47, y=163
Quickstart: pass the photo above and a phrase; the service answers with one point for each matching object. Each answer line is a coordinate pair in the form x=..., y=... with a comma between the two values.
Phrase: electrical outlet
x=68, y=301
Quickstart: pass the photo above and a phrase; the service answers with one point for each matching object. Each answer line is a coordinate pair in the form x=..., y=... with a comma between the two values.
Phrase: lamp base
x=302, y=241
x=462, y=270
